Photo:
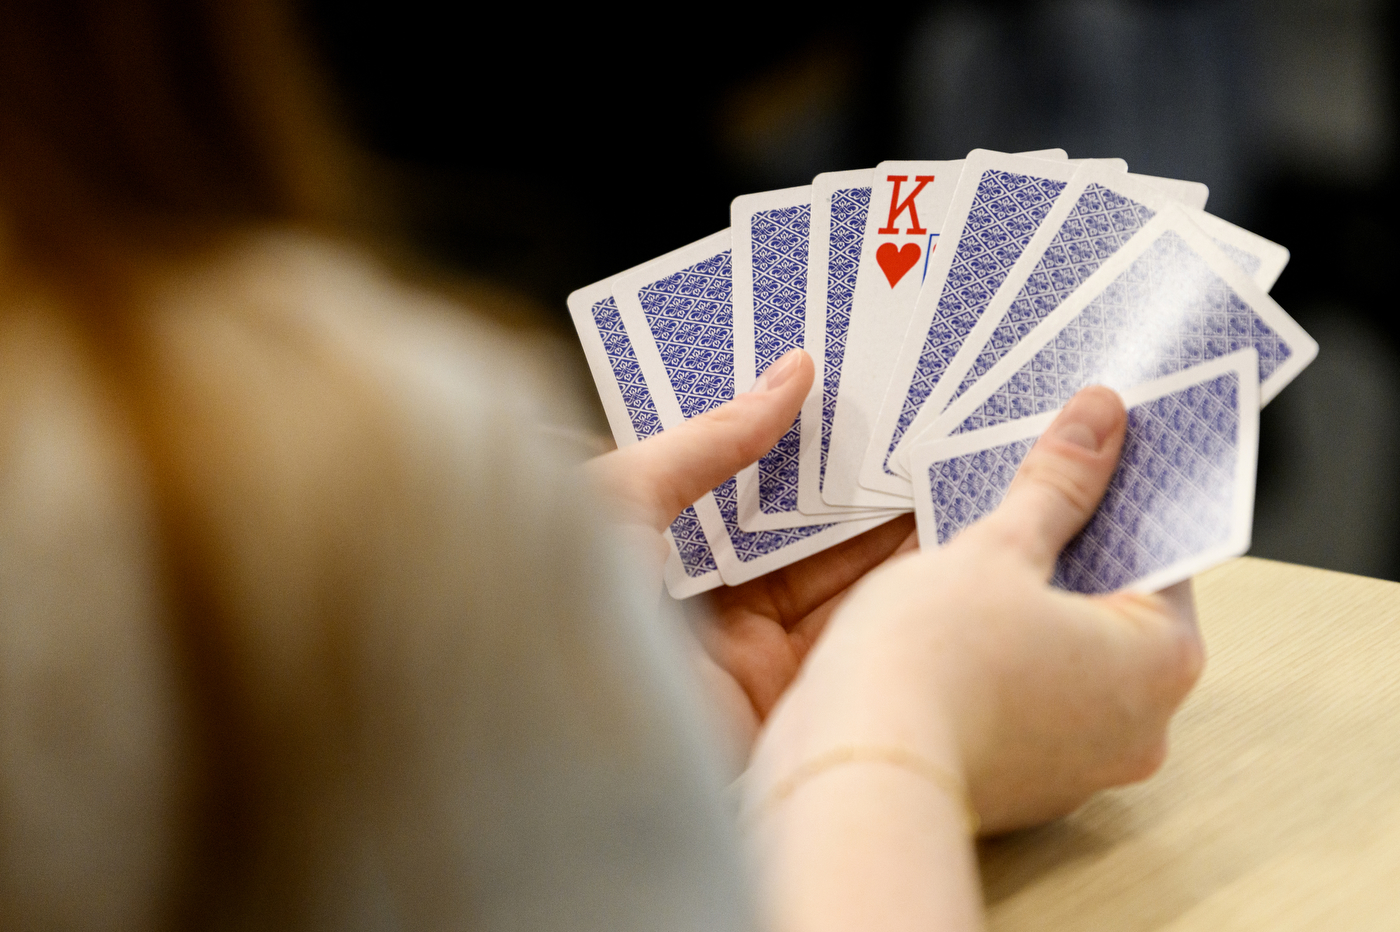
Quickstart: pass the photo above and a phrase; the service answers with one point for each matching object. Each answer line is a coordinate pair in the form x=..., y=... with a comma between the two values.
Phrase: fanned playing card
x=678, y=311
x=937, y=365
x=840, y=204
x=632, y=415
x=1097, y=214
x=1166, y=300
x=1180, y=502
x=771, y=239
x=908, y=203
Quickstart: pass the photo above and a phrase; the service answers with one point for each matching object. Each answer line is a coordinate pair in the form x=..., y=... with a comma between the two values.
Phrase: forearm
x=856, y=802
x=868, y=846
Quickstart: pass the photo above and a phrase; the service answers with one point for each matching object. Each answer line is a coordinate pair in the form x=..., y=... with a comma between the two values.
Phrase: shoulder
x=283, y=335
x=333, y=306
x=301, y=392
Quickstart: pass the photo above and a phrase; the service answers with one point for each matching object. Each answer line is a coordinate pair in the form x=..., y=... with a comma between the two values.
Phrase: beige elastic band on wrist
x=894, y=756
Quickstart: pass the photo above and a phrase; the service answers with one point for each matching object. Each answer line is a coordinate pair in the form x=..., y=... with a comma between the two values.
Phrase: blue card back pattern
x=779, y=240
x=691, y=317
x=1172, y=496
x=1100, y=223
x=849, y=208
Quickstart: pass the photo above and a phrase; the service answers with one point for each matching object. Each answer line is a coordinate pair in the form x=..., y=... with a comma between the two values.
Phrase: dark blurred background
x=545, y=149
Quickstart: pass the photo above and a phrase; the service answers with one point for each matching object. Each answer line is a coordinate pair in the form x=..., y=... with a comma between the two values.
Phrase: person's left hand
x=757, y=634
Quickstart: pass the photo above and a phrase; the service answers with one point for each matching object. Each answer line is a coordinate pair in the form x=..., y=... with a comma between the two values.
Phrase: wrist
x=853, y=697
x=885, y=674
x=861, y=836
x=950, y=787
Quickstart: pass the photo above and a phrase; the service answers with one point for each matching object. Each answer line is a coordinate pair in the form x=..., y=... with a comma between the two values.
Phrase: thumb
x=665, y=474
x=1064, y=477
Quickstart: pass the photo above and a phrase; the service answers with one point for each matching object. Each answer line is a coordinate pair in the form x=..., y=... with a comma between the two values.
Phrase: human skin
x=1029, y=697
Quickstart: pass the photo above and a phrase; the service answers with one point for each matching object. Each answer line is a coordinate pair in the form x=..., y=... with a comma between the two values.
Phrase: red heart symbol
x=896, y=260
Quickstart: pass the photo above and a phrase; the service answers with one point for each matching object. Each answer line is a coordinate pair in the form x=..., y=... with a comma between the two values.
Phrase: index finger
x=663, y=475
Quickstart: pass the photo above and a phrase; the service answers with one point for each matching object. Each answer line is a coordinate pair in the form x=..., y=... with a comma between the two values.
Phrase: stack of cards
x=952, y=307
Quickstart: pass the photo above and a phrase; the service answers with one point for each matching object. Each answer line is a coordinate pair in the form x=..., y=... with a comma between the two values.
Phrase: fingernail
x=1089, y=418
x=779, y=372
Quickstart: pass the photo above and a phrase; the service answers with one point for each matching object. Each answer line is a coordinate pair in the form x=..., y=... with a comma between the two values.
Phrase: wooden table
x=1279, y=806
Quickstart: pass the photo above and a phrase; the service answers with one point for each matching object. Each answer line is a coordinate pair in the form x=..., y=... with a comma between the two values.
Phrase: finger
x=665, y=474
x=791, y=593
x=1167, y=639
x=1180, y=602
x=1063, y=478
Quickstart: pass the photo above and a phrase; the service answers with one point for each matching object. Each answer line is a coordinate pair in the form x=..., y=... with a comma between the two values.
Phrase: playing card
x=1098, y=212
x=908, y=202
x=1180, y=502
x=1166, y=300
x=678, y=312
x=840, y=203
x=999, y=202
x=770, y=235
x=631, y=411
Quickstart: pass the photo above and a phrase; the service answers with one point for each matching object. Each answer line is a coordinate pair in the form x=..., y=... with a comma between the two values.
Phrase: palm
x=758, y=633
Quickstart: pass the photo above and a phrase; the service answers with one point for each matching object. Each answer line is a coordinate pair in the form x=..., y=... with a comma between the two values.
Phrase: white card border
x=1273, y=258
x=1194, y=193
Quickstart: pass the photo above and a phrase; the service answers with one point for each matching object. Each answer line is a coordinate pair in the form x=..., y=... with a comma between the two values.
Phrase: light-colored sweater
x=304, y=624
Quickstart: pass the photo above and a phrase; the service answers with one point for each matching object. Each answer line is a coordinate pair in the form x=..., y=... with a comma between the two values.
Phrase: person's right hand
x=1035, y=697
